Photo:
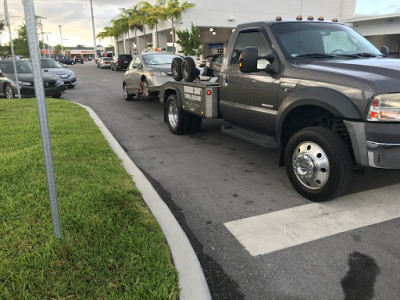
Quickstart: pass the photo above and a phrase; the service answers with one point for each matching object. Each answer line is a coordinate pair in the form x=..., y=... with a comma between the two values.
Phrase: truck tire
x=318, y=163
x=177, y=119
x=127, y=96
x=189, y=70
x=176, y=68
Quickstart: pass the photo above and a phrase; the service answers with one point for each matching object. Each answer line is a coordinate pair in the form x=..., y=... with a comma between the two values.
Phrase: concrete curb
x=192, y=282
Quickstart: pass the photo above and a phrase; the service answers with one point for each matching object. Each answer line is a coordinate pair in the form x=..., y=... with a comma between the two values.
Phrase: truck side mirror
x=385, y=51
x=248, y=60
x=273, y=68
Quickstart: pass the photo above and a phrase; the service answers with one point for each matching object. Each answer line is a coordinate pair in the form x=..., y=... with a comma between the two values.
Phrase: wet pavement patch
x=360, y=279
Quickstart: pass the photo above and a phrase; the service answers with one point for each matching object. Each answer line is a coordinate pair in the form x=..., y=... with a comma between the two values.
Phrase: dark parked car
x=67, y=76
x=146, y=73
x=120, y=61
x=78, y=59
x=53, y=84
x=64, y=59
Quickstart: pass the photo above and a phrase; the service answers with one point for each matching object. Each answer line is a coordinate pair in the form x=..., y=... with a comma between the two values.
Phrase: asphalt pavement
x=211, y=181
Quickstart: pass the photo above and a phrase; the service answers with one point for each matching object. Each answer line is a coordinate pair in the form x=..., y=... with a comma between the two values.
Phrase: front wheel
x=144, y=91
x=9, y=92
x=318, y=163
x=57, y=95
x=127, y=96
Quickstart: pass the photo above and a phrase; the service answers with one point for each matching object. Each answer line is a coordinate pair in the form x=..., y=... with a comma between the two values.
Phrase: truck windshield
x=322, y=40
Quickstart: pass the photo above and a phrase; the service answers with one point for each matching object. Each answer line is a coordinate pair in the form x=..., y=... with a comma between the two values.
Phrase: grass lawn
x=112, y=248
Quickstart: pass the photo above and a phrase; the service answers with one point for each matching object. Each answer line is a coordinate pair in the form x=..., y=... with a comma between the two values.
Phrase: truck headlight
x=25, y=83
x=385, y=108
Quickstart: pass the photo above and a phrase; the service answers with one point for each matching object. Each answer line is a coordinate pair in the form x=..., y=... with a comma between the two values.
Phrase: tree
x=113, y=31
x=173, y=11
x=140, y=17
x=21, y=42
x=190, y=41
x=155, y=14
x=57, y=49
x=133, y=23
x=125, y=24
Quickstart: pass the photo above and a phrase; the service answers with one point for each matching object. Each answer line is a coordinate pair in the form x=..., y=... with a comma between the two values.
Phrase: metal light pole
x=42, y=111
x=94, y=33
x=41, y=30
x=12, y=47
x=62, y=47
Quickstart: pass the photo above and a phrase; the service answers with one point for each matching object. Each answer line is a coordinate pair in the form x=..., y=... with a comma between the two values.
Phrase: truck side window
x=247, y=39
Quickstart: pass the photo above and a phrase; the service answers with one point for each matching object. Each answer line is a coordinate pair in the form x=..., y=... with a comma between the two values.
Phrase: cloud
x=73, y=15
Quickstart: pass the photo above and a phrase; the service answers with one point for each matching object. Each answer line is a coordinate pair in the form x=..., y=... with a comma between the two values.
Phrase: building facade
x=217, y=19
x=380, y=30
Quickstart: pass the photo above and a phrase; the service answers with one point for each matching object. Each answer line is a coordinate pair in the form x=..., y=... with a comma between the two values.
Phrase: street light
x=62, y=47
x=94, y=33
x=41, y=30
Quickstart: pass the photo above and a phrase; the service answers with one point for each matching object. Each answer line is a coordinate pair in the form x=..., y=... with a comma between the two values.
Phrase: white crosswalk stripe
x=298, y=225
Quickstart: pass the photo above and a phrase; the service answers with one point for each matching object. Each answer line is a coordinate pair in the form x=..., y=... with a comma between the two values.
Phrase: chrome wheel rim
x=174, y=69
x=311, y=165
x=9, y=93
x=173, y=115
x=185, y=71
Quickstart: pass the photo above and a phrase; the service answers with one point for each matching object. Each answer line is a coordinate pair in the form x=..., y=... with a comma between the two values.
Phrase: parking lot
x=255, y=236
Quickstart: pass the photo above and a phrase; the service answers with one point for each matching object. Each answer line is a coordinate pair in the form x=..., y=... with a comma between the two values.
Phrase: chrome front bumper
x=371, y=153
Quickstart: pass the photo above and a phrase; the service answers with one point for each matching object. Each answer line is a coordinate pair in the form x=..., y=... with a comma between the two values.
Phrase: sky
x=75, y=18
x=73, y=15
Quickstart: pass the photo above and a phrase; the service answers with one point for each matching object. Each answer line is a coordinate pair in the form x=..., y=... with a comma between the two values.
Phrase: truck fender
x=165, y=93
x=326, y=98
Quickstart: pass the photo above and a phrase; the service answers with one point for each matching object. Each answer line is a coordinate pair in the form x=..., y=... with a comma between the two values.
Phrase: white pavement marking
x=298, y=225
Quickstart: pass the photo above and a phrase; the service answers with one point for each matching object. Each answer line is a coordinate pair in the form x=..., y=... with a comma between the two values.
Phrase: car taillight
x=118, y=61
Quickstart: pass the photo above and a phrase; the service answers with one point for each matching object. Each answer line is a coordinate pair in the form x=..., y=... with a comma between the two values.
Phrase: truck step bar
x=259, y=139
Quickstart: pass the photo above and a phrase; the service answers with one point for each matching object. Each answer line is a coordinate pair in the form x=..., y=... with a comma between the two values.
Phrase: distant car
x=51, y=66
x=120, y=61
x=78, y=59
x=53, y=85
x=64, y=59
x=105, y=63
x=146, y=73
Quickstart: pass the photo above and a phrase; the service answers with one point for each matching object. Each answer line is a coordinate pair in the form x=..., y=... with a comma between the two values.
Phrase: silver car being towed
x=146, y=73
x=66, y=75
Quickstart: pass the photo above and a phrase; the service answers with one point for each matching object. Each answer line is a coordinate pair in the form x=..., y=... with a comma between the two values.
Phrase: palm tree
x=132, y=22
x=173, y=11
x=155, y=14
x=118, y=28
x=141, y=17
